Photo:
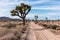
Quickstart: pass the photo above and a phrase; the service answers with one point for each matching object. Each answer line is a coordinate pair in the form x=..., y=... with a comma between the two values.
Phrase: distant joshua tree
x=36, y=17
x=46, y=19
x=58, y=19
x=21, y=11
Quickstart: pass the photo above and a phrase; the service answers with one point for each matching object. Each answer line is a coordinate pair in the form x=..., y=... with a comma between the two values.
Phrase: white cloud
x=48, y=7
x=16, y=2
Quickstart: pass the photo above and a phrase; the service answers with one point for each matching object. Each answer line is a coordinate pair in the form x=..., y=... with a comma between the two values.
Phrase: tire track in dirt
x=39, y=33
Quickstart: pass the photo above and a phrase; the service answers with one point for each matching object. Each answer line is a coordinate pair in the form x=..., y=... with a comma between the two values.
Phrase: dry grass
x=3, y=31
x=11, y=30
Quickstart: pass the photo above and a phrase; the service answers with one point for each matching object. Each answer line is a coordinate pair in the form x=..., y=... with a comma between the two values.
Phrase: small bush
x=10, y=36
x=3, y=31
x=9, y=25
x=45, y=25
x=53, y=26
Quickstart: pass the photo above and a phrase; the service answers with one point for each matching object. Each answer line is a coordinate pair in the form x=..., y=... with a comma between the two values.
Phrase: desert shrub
x=12, y=31
x=9, y=33
x=10, y=36
x=9, y=25
x=45, y=25
x=3, y=31
x=23, y=31
x=58, y=28
x=19, y=27
x=53, y=26
x=21, y=24
x=18, y=34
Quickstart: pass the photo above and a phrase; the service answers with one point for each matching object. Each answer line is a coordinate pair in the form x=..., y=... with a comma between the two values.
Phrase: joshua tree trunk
x=36, y=17
x=36, y=20
x=23, y=21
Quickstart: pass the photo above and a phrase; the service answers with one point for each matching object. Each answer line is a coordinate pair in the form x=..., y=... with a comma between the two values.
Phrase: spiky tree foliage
x=36, y=17
x=21, y=11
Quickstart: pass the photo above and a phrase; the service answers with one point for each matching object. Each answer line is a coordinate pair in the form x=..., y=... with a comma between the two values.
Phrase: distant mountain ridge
x=7, y=18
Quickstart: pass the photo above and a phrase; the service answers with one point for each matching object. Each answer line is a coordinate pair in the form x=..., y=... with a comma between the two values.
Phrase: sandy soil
x=39, y=33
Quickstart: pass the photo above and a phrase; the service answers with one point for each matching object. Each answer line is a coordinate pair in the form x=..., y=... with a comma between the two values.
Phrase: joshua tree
x=47, y=21
x=58, y=19
x=36, y=17
x=21, y=11
x=46, y=18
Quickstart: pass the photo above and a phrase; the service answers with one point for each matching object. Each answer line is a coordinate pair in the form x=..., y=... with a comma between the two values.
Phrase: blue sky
x=42, y=8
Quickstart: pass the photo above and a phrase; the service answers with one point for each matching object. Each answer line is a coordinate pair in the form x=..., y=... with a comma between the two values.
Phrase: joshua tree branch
x=27, y=12
x=18, y=15
x=21, y=12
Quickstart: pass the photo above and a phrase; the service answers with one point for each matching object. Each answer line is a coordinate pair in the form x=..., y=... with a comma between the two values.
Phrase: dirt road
x=39, y=33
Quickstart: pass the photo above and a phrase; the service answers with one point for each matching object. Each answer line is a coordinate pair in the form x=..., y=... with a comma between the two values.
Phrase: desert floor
x=31, y=31
x=37, y=32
